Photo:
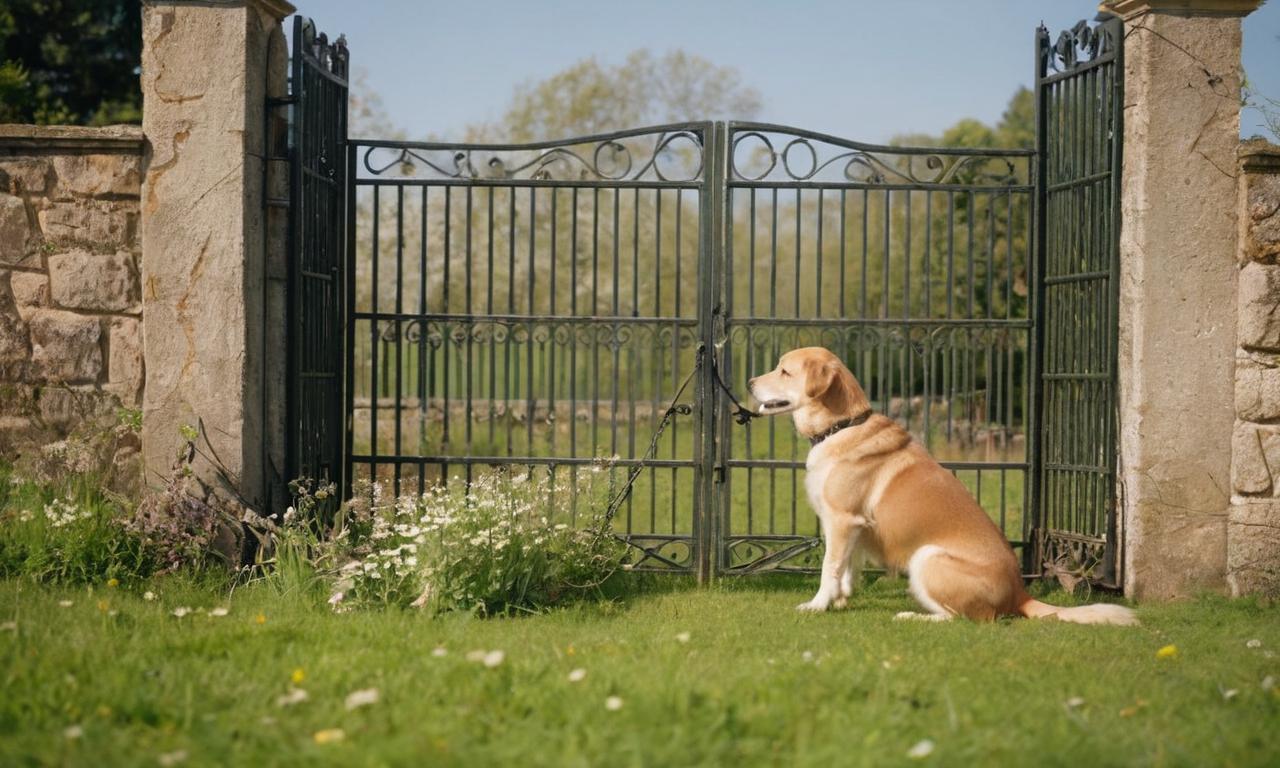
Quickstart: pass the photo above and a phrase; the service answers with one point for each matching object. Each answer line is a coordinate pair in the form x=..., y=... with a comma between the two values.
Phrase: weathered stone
x=1262, y=225
x=30, y=291
x=1257, y=388
x=14, y=346
x=62, y=408
x=83, y=280
x=100, y=224
x=1253, y=547
x=124, y=360
x=15, y=231
x=93, y=175
x=1255, y=459
x=27, y=176
x=65, y=346
x=1259, y=302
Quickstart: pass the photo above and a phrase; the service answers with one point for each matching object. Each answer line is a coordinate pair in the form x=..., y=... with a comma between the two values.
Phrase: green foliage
x=70, y=61
x=500, y=545
x=67, y=531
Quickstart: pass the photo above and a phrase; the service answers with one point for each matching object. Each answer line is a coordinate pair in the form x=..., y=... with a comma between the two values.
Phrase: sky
x=862, y=69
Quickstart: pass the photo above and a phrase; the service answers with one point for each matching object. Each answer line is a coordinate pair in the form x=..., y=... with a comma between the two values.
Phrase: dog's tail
x=1098, y=613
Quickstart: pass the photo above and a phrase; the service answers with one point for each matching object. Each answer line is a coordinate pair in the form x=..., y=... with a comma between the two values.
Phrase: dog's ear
x=819, y=377
x=835, y=387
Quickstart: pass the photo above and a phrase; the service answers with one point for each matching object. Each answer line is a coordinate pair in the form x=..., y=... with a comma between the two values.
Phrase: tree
x=70, y=61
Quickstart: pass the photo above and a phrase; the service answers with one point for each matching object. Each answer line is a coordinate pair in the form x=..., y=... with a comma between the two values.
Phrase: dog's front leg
x=840, y=532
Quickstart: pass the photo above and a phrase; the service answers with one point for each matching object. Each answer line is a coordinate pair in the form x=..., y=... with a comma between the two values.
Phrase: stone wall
x=70, y=299
x=1253, y=526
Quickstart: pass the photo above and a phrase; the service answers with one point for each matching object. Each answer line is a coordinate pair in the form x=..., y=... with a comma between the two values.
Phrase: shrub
x=504, y=544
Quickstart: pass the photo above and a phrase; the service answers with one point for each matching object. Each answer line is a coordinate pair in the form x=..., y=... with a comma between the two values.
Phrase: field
x=113, y=679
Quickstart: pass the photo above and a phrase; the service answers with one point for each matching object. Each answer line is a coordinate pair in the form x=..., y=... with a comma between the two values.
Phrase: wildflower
x=921, y=750
x=361, y=698
x=297, y=676
x=65, y=603
x=683, y=637
x=215, y=612
x=72, y=732
x=1254, y=643
x=172, y=758
x=336, y=598
x=112, y=583
x=149, y=596
x=577, y=675
x=103, y=606
x=613, y=703
x=807, y=656
x=294, y=696
x=1228, y=693
x=493, y=658
x=440, y=652
x=1167, y=652
x=1269, y=683
x=1075, y=702
x=260, y=618
x=329, y=736
x=181, y=611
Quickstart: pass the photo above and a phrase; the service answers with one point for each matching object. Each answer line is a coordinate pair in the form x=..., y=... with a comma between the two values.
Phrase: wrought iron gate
x=511, y=307
x=318, y=188
x=1079, y=89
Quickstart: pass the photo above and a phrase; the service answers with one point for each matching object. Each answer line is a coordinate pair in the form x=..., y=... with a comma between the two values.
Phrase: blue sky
x=860, y=69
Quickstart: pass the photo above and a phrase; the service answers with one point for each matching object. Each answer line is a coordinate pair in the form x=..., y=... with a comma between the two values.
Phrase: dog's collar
x=839, y=425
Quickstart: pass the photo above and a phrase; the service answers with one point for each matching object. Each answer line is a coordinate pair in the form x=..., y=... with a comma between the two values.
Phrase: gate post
x=207, y=70
x=1178, y=290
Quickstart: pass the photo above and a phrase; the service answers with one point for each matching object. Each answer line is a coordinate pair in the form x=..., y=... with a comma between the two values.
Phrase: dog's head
x=810, y=379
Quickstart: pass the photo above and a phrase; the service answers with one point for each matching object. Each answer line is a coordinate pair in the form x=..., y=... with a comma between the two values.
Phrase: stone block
x=30, y=291
x=97, y=175
x=100, y=224
x=83, y=280
x=1253, y=548
x=124, y=360
x=1259, y=301
x=65, y=347
x=1257, y=396
x=15, y=232
x=25, y=176
x=15, y=348
x=1262, y=223
x=1255, y=460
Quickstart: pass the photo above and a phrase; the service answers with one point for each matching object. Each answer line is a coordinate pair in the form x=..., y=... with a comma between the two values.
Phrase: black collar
x=839, y=425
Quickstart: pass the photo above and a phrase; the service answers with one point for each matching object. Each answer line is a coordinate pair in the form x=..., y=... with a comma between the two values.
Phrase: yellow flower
x=113, y=582
x=1167, y=652
x=102, y=606
x=569, y=651
x=298, y=676
x=261, y=618
x=329, y=736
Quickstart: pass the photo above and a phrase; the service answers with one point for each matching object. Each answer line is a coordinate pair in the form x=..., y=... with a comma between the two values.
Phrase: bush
x=503, y=545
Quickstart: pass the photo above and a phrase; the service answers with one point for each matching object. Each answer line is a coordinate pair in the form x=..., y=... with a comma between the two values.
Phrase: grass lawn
x=755, y=683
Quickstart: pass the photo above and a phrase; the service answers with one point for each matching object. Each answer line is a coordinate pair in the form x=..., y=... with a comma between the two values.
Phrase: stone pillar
x=1178, y=290
x=206, y=69
x=1253, y=527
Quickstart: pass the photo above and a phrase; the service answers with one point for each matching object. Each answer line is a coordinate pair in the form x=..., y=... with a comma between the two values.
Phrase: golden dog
x=880, y=495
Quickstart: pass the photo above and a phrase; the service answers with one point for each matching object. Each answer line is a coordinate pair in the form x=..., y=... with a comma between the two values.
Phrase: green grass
x=741, y=691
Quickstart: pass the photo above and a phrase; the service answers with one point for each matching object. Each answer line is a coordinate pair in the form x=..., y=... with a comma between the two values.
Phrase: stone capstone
x=65, y=347
x=83, y=280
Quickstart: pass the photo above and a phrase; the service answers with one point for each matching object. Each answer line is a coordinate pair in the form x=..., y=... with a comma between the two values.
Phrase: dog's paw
x=840, y=603
x=812, y=606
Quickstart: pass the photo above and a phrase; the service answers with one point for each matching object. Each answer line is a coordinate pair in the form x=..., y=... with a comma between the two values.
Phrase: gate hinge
x=717, y=475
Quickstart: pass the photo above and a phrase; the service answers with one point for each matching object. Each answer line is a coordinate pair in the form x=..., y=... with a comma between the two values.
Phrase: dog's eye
x=784, y=372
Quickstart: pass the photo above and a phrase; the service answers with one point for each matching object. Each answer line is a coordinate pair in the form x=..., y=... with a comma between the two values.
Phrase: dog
x=881, y=496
